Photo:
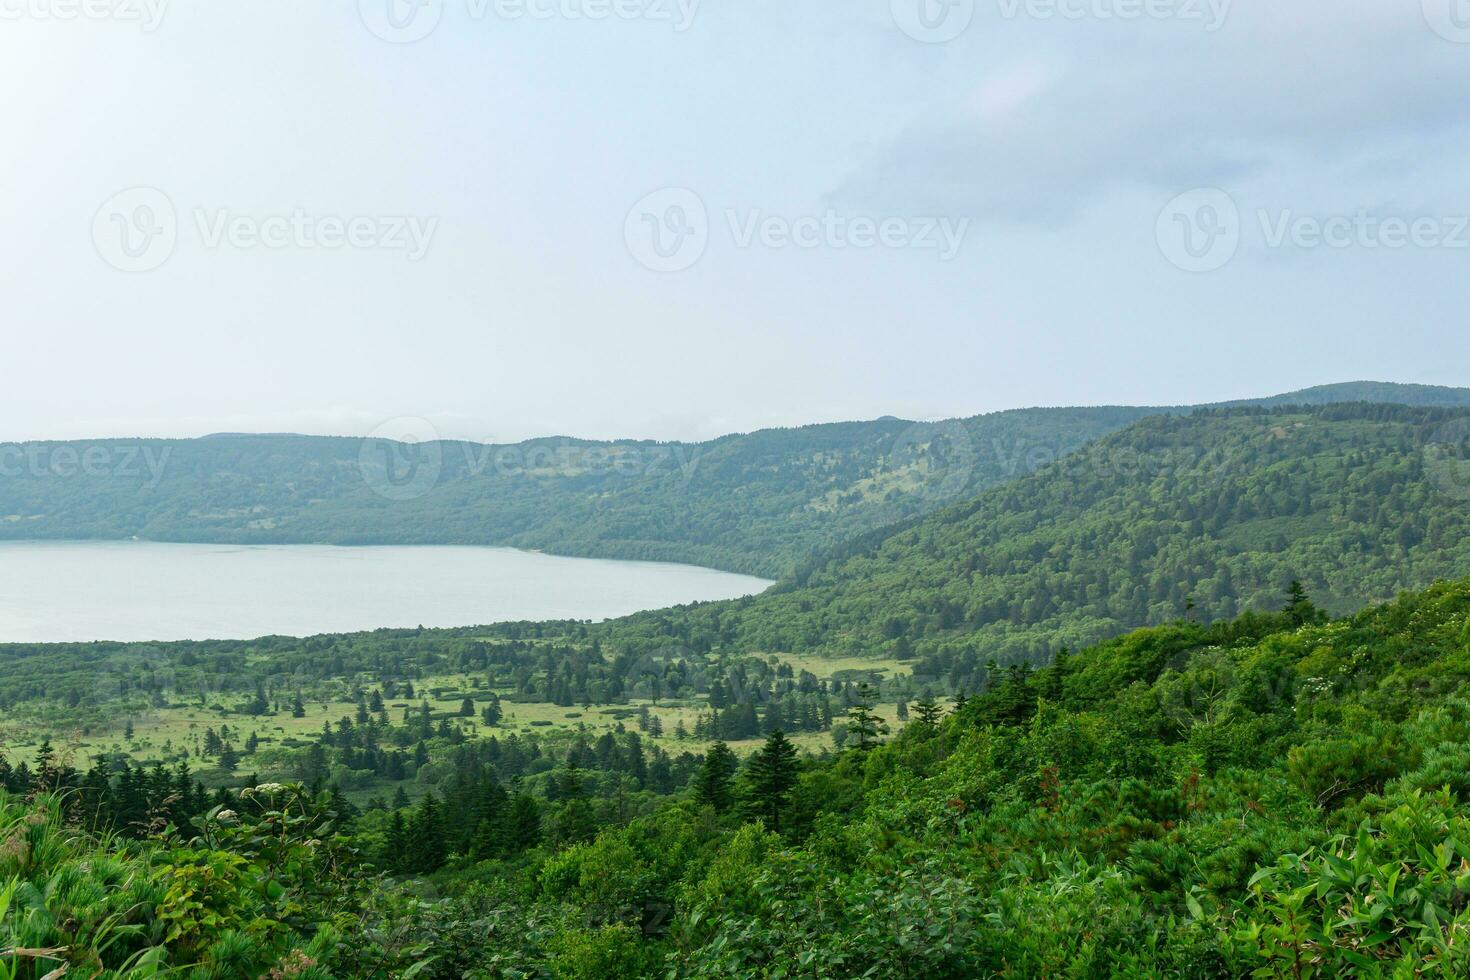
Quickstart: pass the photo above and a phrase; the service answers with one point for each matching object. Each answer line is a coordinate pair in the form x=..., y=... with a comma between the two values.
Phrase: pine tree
x=862, y=723
x=1055, y=674
x=523, y=825
x=396, y=845
x=770, y=777
x=928, y=711
x=491, y=713
x=426, y=847
x=712, y=784
x=467, y=708
x=1299, y=607
x=298, y=709
x=229, y=759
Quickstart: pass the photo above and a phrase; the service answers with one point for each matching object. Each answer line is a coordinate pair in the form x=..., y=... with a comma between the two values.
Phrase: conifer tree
x=770, y=777
x=712, y=784
x=862, y=723
x=927, y=711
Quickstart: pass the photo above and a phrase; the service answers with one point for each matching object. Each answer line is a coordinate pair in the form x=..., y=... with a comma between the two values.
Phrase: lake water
x=138, y=590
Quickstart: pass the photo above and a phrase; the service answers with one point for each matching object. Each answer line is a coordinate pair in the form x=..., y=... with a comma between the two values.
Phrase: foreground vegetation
x=1278, y=794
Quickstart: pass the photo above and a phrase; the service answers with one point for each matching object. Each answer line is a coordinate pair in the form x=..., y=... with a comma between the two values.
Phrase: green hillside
x=759, y=503
x=1275, y=796
x=1203, y=516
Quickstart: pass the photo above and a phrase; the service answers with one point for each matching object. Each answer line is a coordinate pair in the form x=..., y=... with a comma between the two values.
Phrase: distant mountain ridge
x=761, y=502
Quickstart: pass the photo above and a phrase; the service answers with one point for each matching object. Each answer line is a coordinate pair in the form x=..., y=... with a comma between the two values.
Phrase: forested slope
x=761, y=502
x=1203, y=516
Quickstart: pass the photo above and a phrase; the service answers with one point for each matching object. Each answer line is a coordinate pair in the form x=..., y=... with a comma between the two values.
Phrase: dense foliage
x=1203, y=516
x=761, y=502
x=1279, y=794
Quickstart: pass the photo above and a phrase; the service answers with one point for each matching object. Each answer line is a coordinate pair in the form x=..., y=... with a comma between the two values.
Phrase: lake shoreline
x=71, y=590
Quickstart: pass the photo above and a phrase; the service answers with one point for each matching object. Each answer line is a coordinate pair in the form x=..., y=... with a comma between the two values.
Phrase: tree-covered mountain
x=1201, y=516
x=761, y=502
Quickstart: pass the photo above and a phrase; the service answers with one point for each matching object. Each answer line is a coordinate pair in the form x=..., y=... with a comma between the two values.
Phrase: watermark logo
x=940, y=455
x=406, y=233
x=668, y=231
x=831, y=230
x=1450, y=19
x=401, y=21
x=1202, y=230
x=1199, y=231
x=408, y=21
x=1446, y=457
x=1363, y=230
x=402, y=459
x=143, y=463
x=148, y=14
x=679, y=13
x=933, y=21
x=136, y=230
x=1211, y=14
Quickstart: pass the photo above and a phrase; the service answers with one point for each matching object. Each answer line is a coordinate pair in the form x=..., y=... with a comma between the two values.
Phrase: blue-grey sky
x=671, y=218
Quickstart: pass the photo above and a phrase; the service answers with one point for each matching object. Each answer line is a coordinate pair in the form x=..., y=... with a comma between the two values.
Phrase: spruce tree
x=712, y=783
x=862, y=723
x=927, y=711
x=770, y=777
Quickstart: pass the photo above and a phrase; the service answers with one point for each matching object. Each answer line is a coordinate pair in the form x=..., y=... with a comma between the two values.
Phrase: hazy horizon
x=521, y=218
x=411, y=428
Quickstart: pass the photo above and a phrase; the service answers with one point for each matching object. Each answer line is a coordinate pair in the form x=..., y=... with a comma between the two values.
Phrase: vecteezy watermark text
x=1211, y=14
x=940, y=21
x=148, y=14
x=40, y=460
x=669, y=231
x=404, y=233
x=405, y=458
x=408, y=21
x=137, y=230
x=1202, y=230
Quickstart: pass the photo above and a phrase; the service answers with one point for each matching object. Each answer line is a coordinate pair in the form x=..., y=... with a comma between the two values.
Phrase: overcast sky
x=673, y=219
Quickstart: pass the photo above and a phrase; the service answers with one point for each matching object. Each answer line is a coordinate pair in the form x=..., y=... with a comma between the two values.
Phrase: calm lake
x=137, y=590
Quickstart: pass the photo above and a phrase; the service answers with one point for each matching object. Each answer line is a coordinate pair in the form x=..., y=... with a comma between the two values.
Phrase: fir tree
x=229, y=759
x=928, y=711
x=712, y=784
x=770, y=777
x=862, y=723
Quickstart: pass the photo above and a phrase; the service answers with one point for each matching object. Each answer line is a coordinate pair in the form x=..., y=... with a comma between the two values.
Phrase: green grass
x=161, y=734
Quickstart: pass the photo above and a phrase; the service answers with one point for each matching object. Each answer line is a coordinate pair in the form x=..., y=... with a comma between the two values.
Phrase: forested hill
x=756, y=503
x=1200, y=516
x=760, y=503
